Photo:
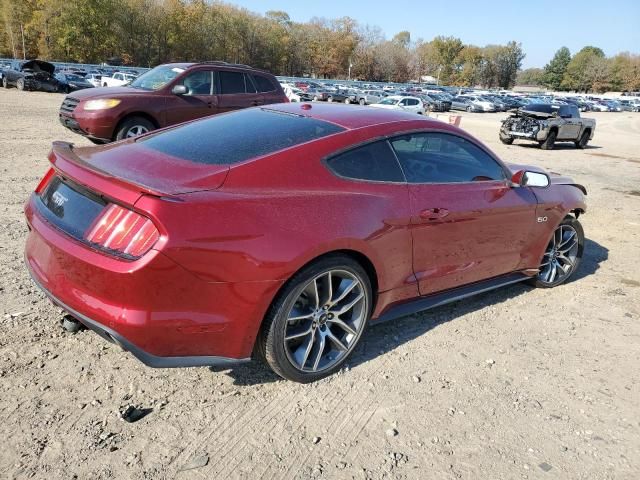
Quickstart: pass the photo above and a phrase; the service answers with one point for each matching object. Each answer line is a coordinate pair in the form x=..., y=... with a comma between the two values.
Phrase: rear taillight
x=45, y=180
x=123, y=232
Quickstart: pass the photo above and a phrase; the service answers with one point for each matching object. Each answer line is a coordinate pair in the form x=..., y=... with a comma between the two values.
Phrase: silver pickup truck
x=548, y=124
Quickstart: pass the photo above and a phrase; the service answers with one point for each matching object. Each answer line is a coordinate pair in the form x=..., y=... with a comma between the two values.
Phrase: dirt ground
x=517, y=383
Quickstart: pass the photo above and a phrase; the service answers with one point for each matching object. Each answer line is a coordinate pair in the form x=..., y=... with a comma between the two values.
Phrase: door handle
x=433, y=213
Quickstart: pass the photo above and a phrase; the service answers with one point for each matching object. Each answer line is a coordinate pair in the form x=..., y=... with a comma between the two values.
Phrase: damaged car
x=548, y=124
x=31, y=75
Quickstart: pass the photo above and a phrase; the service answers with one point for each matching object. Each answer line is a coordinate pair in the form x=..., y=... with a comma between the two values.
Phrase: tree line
x=150, y=32
x=589, y=70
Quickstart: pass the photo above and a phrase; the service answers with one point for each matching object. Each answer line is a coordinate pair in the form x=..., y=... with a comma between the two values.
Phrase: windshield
x=542, y=108
x=157, y=78
x=75, y=78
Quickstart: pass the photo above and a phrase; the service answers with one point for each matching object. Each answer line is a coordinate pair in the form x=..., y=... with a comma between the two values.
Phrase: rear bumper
x=153, y=307
x=147, y=358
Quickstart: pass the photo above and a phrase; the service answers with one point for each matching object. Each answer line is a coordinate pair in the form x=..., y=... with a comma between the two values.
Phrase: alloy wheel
x=136, y=130
x=560, y=258
x=325, y=321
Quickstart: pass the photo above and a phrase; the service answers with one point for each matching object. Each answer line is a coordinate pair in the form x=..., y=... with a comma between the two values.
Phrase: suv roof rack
x=219, y=62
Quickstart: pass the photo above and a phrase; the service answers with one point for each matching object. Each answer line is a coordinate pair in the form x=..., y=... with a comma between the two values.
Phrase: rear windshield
x=238, y=136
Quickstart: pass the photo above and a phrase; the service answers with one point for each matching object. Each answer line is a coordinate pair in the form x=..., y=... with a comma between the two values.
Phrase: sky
x=542, y=26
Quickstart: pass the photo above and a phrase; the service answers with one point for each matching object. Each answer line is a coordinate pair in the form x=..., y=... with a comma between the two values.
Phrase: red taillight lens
x=45, y=180
x=123, y=231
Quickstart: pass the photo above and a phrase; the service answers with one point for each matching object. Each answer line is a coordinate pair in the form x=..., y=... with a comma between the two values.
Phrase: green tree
x=531, y=76
x=554, y=70
x=576, y=76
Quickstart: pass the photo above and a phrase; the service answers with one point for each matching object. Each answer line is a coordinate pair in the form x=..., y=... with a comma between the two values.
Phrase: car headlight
x=101, y=104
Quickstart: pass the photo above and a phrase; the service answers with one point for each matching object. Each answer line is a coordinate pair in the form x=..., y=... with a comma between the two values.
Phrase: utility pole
x=24, y=53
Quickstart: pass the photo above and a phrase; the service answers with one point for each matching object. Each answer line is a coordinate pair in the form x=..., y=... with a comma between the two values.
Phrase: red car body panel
x=243, y=230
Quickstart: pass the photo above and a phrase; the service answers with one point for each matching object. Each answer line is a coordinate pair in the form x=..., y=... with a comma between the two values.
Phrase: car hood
x=108, y=92
x=39, y=65
x=152, y=171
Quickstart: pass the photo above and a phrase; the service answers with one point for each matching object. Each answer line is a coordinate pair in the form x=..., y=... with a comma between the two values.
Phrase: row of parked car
x=442, y=98
x=45, y=76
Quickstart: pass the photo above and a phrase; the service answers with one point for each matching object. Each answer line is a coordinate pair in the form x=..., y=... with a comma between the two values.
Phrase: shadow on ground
x=385, y=337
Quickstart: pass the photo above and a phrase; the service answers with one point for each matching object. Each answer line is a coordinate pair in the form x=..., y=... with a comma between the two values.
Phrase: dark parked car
x=70, y=82
x=281, y=232
x=31, y=75
x=166, y=95
x=343, y=96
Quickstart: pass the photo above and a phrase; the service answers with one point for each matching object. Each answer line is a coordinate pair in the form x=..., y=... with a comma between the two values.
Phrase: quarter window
x=444, y=158
x=374, y=161
x=263, y=84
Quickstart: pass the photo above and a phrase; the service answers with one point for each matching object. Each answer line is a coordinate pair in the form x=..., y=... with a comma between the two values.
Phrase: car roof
x=350, y=117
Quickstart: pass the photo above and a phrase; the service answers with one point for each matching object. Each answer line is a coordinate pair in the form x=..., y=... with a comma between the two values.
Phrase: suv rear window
x=238, y=136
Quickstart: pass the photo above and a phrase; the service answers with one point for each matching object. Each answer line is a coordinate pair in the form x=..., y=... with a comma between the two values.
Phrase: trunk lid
x=129, y=169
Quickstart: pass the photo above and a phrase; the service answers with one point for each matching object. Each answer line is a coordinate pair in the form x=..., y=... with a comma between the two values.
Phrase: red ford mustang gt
x=282, y=231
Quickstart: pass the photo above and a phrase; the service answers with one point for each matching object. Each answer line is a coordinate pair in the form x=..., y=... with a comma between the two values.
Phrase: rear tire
x=134, y=126
x=298, y=340
x=5, y=83
x=549, y=143
x=584, y=139
x=20, y=84
x=362, y=102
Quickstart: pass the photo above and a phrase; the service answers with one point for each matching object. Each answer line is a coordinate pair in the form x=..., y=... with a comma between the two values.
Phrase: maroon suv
x=166, y=95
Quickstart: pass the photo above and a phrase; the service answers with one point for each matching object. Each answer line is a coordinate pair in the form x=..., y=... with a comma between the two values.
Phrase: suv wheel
x=5, y=84
x=317, y=320
x=562, y=255
x=133, y=127
x=20, y=84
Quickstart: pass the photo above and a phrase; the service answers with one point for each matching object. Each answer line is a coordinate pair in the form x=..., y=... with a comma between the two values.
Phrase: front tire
x=133, y=127
x=506, y=139
x=5, y=82
x=317, y=320
x=563, y=254
x=550, y=141
x=362, y=102
x=20, y=84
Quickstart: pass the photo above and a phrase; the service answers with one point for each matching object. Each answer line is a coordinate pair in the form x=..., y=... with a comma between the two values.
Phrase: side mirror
x=527, y=178
x=179, y=90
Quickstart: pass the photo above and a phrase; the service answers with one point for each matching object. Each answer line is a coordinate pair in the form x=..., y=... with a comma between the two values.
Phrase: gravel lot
x=518, y=383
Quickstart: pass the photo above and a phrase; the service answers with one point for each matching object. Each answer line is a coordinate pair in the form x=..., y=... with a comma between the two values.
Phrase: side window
x=413, y=102
x=404, y=102
x=263, y=84
x=231, y=82
x=374, y=161
x=444, y=158
x=198, y=83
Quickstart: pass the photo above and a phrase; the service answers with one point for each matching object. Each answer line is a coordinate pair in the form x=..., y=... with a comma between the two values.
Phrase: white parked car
x=408, y=104
x=94, y=79
x=118, y=79
x=292, y=93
